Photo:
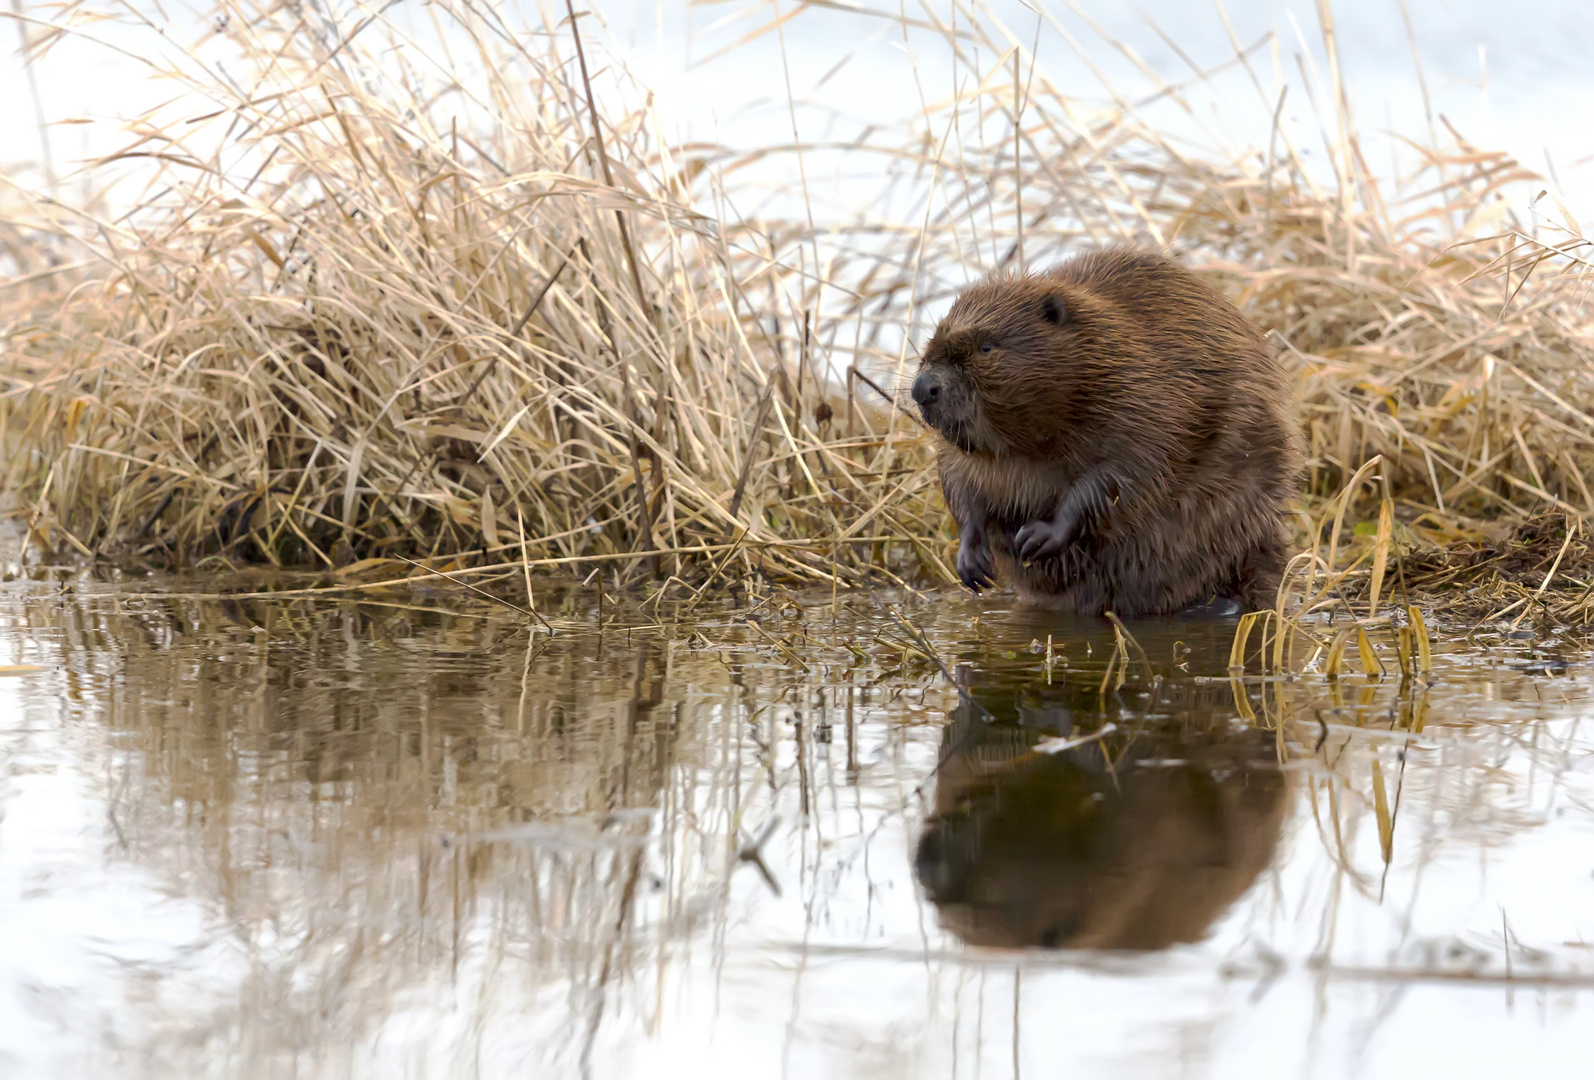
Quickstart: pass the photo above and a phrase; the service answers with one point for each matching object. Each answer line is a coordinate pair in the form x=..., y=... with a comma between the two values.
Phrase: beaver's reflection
x=1135, y=841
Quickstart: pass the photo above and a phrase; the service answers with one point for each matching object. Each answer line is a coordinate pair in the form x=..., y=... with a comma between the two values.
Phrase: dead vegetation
x=489, y=323
x=360, y=316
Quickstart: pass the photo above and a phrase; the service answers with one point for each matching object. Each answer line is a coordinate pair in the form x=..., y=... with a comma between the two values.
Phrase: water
x=397, y=836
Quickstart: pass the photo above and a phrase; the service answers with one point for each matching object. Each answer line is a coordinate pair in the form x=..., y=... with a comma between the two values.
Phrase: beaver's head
x=999, y=367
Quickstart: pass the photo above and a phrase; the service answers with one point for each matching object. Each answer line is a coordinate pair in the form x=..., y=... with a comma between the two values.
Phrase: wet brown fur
x=1124, y=379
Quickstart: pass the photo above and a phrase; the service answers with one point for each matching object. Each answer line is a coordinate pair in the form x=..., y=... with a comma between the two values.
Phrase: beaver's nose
x=926, y=388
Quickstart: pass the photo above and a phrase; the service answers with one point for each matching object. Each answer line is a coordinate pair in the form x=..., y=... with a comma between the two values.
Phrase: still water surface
x=312, y=836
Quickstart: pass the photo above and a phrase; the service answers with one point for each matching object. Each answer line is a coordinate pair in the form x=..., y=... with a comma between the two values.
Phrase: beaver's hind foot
x=1213, y=607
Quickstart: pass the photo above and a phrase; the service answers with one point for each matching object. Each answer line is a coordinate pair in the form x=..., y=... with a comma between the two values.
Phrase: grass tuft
x=355, y=319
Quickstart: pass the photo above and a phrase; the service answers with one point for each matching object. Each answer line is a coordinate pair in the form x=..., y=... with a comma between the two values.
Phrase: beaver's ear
x=1053, y=310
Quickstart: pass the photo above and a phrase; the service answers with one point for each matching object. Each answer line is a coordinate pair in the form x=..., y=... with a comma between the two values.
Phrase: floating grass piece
x=511, y=605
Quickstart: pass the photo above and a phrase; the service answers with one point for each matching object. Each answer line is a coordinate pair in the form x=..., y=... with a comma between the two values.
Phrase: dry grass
x=417, y=324
x=357, y=318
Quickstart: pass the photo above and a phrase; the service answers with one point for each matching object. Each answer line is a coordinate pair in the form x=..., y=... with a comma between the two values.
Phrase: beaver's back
x=1215, y=375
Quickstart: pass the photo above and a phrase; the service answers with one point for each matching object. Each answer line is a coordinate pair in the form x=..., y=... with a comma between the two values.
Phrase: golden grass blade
x=1424, y=649
x=1242, y=634
x=1386, y=525
x=1346, y=494
x=525, y=569
x=1573, y=525
x=1107, y=673
x=1126, y=640
x=1336, y=651
x=1371, y=665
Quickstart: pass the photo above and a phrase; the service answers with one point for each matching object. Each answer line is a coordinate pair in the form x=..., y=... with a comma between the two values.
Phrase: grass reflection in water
x=416, y=841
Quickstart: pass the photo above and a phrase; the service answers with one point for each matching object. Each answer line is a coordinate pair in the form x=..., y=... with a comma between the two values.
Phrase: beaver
x=1113, y=436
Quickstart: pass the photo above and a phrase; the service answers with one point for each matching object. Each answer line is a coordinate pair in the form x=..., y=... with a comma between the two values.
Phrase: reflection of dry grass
x=419, y=318
x=1349, y=688
x=374, y=796
x=362, y=791
x=1370, y=750
x=400, y=815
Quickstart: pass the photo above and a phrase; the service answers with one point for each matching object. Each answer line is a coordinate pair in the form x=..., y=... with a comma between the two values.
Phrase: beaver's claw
x=1042, y=539
x=976, y=567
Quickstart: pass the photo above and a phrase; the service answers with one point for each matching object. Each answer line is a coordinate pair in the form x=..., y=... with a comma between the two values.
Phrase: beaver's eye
x=986, y=346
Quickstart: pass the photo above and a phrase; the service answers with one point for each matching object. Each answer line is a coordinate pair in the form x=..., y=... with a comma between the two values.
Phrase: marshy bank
x=678, y=753
x=447, y=296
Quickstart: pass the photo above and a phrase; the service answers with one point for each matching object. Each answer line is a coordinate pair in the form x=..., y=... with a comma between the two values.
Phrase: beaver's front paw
x=976, y=567
x=1042, y=539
